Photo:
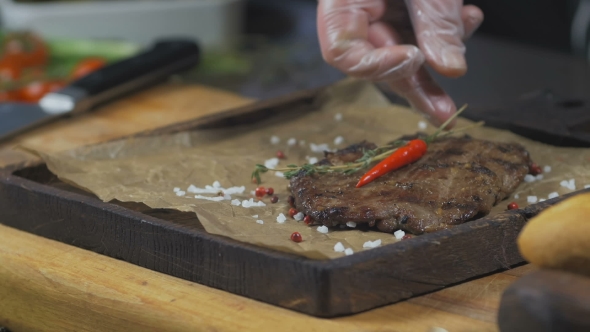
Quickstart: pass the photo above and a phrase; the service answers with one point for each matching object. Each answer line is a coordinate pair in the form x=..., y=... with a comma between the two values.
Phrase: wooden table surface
x=49, y=286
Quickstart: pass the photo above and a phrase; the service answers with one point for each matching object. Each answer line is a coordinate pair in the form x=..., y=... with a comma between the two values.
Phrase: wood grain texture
x=157, y=107
x=174, y=243
x=326, y=288
x=546, y=300
x=47, y=285
x=50, y=286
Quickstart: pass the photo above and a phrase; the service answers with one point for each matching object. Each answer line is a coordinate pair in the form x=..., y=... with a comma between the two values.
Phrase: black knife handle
x=165, y=58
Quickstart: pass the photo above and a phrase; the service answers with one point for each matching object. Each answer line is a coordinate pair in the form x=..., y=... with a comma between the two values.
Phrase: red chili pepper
x=407, y=154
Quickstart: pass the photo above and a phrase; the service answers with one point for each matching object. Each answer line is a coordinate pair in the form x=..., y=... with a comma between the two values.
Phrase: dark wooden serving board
x=172, y=242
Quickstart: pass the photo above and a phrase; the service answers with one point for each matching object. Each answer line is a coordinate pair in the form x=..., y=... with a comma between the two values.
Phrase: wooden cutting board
x=157, y=107
x=466, y=307
x=322, y=288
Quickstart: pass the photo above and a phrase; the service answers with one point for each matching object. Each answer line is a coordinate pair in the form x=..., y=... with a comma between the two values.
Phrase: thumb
x=439, y=30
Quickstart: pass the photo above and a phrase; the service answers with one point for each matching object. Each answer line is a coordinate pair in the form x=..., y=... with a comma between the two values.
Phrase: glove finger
x=420, y=90
x=472, y=18
x=426, y=97
x=344, y=28
x=382, y=34
x=439, y=32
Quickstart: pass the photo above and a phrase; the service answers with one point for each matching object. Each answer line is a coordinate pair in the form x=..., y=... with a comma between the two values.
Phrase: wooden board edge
x=322, y=302
x=499, y=254
x=234, y=115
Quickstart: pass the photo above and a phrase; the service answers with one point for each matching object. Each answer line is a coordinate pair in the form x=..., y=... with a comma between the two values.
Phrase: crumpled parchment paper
x=147, y=169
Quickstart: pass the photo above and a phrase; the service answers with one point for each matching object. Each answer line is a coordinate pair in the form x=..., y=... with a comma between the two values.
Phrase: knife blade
x=152, y=66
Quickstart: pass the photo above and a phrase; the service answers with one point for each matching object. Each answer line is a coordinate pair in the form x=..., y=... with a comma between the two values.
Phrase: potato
x=559, y=237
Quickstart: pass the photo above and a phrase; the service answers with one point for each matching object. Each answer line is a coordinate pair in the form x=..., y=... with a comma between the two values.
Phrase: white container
x=213, y=23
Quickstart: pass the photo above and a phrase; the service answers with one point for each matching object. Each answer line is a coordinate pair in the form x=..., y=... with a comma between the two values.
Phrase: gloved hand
x=373, y=40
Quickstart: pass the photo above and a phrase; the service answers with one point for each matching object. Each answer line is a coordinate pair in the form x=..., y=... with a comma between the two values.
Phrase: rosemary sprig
x=368, y=157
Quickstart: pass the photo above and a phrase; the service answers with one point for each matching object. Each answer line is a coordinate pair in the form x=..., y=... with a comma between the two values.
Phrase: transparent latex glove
x=375, y=40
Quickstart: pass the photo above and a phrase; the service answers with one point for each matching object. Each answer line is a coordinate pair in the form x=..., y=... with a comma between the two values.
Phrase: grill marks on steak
x=457, y=180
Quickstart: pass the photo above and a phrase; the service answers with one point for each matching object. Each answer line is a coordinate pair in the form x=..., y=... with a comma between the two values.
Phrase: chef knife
x=152, y=66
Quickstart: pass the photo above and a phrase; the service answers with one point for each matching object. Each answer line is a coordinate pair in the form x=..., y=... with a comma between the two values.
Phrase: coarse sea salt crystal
x=259, y=222
x=338, y=117
x=348, y=251
x=251, y=203
x=271, y=163
x=437, y=329
x=216, y=184
x=547, y=169
x=320, y=148
x=372, y=244
x=313, y=160
x=323, y=229
x=275, y=140
x=255, y=216
x=281, y=218
x=227, y=197
x=531, y=199
x=338, y=140
x=207, y=190
x=279, y=174
x=180, y=193
x=529, y=178
x=236, y=202
x=539, y=177
x=176, y=189
x=215, y=198
x=553, y=195
x=351, y=224
x=517, y=196
x=292, y=141
x=587, y=186
x=541, y=200
x=399, y=234
x=234, y=190
x=299, y=216
x=338, y=247
x=571, y=184
x=422, y=125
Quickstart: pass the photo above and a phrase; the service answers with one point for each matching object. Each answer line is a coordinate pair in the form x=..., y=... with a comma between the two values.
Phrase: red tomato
x=86, y=67
x=9, y=70
x=7, y=96
x=34, y=91
x=28, y=49
x=9, y=74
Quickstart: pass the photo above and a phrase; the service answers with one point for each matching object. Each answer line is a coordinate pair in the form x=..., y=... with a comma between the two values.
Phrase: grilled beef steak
x=457, y=180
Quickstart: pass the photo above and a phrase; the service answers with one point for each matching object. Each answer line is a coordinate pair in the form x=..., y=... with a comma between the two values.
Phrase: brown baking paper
x=147, y=169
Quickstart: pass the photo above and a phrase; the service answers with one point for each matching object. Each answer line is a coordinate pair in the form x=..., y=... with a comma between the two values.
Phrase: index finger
x=343, y=32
